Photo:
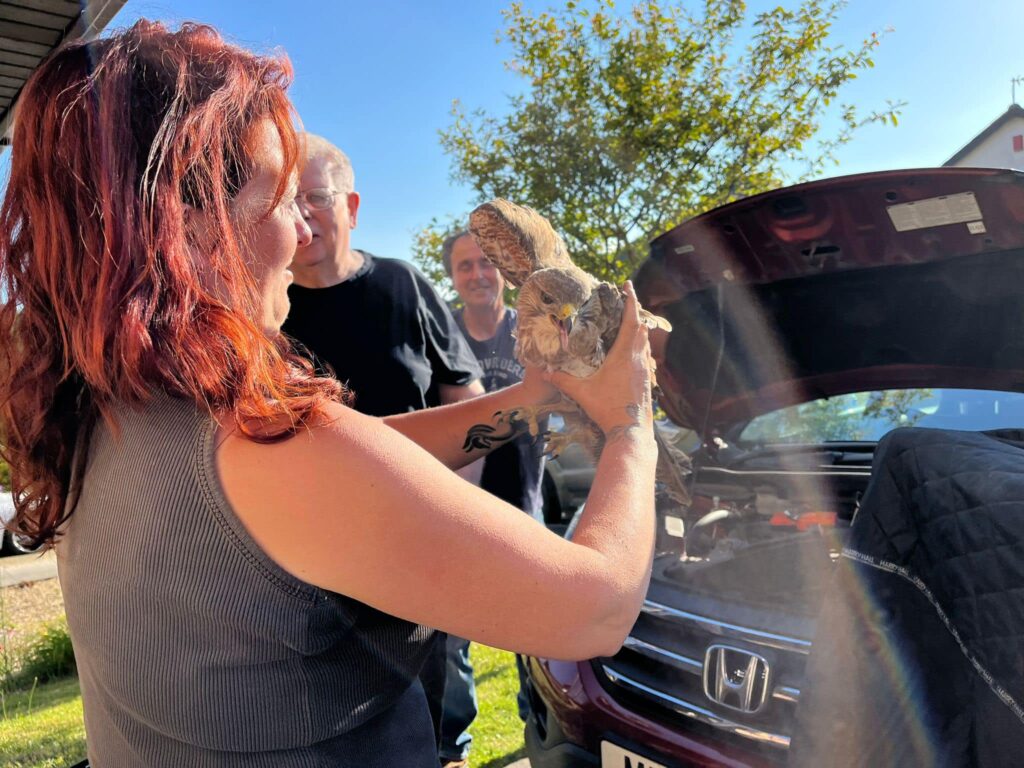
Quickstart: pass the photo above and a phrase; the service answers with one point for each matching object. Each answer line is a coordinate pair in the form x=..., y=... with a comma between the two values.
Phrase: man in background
x=376, y=323
x=512, y=472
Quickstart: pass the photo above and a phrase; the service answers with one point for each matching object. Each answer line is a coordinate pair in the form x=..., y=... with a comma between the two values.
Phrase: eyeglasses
x=317, y=199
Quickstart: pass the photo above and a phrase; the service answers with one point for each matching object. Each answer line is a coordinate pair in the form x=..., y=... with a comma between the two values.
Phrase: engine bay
x=764, y=525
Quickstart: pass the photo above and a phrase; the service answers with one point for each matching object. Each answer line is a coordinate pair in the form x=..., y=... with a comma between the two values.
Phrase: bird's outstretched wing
x=597, y=325
x=517, y=239
x=672, y=470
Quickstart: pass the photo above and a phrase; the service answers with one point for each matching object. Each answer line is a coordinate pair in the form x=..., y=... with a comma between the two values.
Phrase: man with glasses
x=377, y=323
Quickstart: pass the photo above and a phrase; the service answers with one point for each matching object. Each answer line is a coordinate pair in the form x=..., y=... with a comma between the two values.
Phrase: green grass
x=43, y=728
x=497, y=730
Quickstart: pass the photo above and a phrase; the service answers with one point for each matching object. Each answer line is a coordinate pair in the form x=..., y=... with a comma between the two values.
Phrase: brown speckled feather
x=518, y=240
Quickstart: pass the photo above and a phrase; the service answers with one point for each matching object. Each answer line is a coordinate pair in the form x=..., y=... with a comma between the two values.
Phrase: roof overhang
x=30, y=30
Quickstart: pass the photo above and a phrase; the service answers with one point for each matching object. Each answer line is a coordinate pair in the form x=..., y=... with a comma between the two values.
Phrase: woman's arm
x=444, y=431
x=356, y=508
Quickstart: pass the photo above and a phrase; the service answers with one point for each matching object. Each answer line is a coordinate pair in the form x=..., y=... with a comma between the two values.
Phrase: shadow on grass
x=496, y=672
x=503, y=760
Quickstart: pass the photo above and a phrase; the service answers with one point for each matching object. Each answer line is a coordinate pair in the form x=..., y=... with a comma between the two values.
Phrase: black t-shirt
x=513, y=471
x=386, y=333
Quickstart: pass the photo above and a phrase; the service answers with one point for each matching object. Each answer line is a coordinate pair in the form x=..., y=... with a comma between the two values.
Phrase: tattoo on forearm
x=636, y=416
x=484, y=437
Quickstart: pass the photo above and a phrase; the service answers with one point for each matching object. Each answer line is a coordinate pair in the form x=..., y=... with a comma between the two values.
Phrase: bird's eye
x=546, y=298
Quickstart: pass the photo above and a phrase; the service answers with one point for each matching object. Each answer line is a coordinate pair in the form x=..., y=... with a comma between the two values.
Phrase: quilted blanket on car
x=919, y=654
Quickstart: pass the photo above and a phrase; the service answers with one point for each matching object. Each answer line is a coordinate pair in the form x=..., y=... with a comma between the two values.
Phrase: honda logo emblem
x=735, y=678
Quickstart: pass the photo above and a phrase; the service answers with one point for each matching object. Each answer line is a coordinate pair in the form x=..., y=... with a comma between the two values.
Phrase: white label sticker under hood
x=935, y=212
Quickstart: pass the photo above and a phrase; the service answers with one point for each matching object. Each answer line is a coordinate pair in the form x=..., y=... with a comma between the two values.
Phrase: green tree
x=427, y=247
x=630, y=123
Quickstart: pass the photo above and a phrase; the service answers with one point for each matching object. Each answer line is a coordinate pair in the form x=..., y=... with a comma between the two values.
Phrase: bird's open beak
x=564, y=322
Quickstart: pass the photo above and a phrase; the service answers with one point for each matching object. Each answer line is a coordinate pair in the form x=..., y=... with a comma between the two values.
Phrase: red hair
x=105, y=299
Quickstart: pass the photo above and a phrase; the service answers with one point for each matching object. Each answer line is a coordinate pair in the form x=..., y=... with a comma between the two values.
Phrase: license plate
x=614, y=756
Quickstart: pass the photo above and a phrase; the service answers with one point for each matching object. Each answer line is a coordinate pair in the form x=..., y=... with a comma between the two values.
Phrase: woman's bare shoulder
x=330, y=423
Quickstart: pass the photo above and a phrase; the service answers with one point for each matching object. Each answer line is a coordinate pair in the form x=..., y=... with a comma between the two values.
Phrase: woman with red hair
x=249, y=567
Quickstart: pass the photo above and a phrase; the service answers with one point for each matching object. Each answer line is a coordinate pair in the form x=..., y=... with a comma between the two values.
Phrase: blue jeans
x=460, y=704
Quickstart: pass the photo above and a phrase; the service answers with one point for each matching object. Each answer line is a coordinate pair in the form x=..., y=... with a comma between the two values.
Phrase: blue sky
x=378, y=78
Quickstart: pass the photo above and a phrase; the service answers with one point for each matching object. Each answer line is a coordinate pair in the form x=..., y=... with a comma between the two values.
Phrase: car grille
x=738, y=682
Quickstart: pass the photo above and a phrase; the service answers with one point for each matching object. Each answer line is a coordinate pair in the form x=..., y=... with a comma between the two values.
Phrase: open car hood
x=898, y=279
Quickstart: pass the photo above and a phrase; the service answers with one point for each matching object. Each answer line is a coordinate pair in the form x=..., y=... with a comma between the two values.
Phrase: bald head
x=334, y=160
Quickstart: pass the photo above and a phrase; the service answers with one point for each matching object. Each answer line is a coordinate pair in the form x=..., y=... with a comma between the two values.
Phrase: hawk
x=568, y=320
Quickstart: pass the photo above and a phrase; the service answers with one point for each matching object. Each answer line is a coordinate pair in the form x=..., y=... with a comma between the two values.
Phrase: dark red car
x=808, y=322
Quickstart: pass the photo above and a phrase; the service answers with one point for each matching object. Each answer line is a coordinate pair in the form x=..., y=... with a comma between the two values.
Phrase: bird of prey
x=568, y=320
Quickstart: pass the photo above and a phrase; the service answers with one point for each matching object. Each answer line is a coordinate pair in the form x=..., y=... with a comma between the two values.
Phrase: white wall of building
x=996, y=151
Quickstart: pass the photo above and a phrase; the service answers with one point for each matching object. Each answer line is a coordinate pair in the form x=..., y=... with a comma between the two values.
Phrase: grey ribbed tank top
x=195, y=649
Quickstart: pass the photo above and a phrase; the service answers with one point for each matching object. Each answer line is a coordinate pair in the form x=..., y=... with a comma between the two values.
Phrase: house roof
x=30, y=29
x=1015, y=110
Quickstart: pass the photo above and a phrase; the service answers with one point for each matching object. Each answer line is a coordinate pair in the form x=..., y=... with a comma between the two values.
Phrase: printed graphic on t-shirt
x=500, y=371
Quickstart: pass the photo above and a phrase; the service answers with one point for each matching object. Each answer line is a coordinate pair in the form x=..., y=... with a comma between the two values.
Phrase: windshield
x=869, y=415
